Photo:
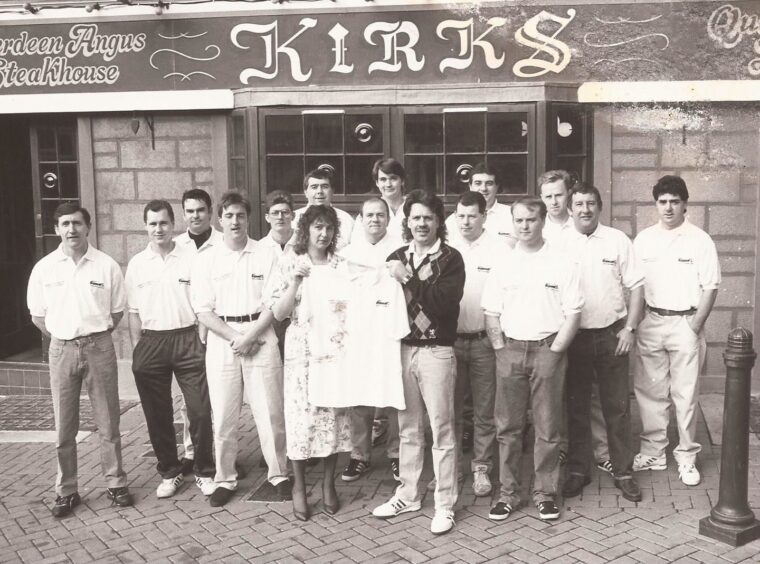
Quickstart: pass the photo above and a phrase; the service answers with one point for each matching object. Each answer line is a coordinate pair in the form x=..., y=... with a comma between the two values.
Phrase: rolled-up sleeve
x=571, y=295
x=35, y=297
x=491, y=300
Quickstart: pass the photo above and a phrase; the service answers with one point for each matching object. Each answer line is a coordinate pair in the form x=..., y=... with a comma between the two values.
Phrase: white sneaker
x=395, y=506
x=169, y=486
x=443, y=521
x=689, y=474
x=646, y=462
x=207, y=485
x=481, y=483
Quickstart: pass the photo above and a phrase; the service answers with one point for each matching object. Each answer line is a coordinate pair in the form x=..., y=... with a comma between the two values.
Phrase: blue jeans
x=429, y=375
x=591, y=358
x=92, y=361
x=529, y=374
x=476, y=370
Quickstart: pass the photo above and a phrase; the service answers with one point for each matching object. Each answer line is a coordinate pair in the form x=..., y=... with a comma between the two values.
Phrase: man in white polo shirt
x=370, y=248
x=279, y=216
x=599, y=352
x=681, y=279
x=317, y=187
x=553, y=186
x=241, y=354
x=476, y=361
x=76, y=297
x=199, y=237
x=162, y=327
x=390, y=179
x=532, y=302
x=484, y=180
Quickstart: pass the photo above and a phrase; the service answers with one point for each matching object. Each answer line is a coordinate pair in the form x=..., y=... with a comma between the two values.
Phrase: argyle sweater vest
x=432, y=296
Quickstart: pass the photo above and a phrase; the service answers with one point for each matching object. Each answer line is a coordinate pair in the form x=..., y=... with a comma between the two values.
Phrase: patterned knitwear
x=432, y=295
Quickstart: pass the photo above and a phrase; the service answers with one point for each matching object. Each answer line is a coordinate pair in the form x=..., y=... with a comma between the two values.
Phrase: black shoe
x=284, y=490
x=220, y=496
x=332, y=509
x=64, y=504
x=119, y=496
x=354, y=470
x=547, y=510
x=500, y=511
x=186, y=465
x=395, y=469
x=574, y=485
x=629, y=487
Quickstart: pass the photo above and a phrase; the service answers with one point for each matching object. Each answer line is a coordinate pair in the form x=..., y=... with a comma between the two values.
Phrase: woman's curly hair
x=312, y=214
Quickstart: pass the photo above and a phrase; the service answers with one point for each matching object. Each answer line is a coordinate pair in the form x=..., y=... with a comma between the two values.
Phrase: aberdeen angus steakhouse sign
x=386, y=48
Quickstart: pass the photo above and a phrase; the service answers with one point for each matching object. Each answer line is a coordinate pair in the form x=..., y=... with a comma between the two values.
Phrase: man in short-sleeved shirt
x=165, y=340
x=76, y=297
x=484, y=180
x=476, y=361
x=599, y=352
x=242, y=354
x=532, y=303
x=317, y=187
x=681, y=278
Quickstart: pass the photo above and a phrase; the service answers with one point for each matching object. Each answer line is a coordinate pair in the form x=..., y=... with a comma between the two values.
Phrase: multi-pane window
x=238, y=152
x=345, y=142
x=441, y=147
x=58, y=170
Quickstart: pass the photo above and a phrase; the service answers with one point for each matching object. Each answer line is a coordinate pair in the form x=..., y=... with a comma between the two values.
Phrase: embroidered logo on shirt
x=484, y=269
x=382, y=303
x=686, y=261
x=185, y=281
x=554, y=287
x=95, y=284
x=611, y=262
x=257, y=276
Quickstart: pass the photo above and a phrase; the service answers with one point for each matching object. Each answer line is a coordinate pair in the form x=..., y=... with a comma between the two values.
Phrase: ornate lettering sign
x=385, y=48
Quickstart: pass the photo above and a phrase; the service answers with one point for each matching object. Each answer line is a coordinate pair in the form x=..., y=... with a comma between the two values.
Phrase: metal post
x=731, y=520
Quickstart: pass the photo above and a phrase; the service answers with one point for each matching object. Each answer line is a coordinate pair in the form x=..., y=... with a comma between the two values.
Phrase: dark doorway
x=19, y=339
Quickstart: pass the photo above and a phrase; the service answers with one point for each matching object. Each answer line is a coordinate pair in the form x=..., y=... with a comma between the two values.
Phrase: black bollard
x=731, y=520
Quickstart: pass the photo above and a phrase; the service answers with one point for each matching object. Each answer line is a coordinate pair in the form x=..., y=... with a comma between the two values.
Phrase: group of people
x=523, y=312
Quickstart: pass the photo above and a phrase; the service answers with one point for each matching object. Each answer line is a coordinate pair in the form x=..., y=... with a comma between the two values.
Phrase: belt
x=472, y=336
x=240, y=318
x=545, y=341
x=91, y=336
x=672, y=312
x=167, y=331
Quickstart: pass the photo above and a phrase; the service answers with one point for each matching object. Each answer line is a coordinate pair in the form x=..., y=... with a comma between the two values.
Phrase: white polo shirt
x=554, y=232
x=345, y=220
x=678, y=265
x=498, y=222
x=230, y=283
x=480, y=258
x=533, y=293
x=395, y=225
x=607, y=266
x=76, y=299
x=186, y=242
x=158, y=289
x=269, y=242
x=360, y=251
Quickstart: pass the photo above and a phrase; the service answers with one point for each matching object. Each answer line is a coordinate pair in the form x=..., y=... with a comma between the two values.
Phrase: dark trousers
x=156, y=355
x=591, y=356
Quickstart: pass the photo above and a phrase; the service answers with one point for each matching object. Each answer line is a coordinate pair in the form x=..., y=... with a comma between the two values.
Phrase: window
x=441, y=145
x=54, y=152
x=345, y=142
x=569, y=139
x=238, y=152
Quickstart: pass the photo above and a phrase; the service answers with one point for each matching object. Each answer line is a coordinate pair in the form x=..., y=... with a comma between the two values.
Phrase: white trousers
x=259, y=377
x=670, y=359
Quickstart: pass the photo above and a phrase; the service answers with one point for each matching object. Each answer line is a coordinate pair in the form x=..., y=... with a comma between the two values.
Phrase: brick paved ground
x=599, y=527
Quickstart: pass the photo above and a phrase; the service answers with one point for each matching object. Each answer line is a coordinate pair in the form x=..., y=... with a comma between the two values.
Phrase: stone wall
x=715, y=150
x=129, y=173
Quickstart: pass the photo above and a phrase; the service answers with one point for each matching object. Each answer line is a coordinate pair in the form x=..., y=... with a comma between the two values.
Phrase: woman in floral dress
x=311, y=431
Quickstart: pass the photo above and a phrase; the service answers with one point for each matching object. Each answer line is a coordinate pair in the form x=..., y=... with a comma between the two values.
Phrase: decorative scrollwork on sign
x=623, y=19
x=627, y=60
x=182, y=35
x=186, y=76
x=627, y=41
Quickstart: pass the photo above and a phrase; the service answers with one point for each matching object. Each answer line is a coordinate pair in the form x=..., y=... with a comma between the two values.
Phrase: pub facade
x=116, y=103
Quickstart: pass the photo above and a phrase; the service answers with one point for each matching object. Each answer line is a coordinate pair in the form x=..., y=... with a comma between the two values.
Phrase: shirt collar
x=434, y=249
x=88, y=255
x=250, y=246
x=173, y=253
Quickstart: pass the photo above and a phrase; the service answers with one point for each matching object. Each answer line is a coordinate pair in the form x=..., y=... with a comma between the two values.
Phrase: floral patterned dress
x=311, y=431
